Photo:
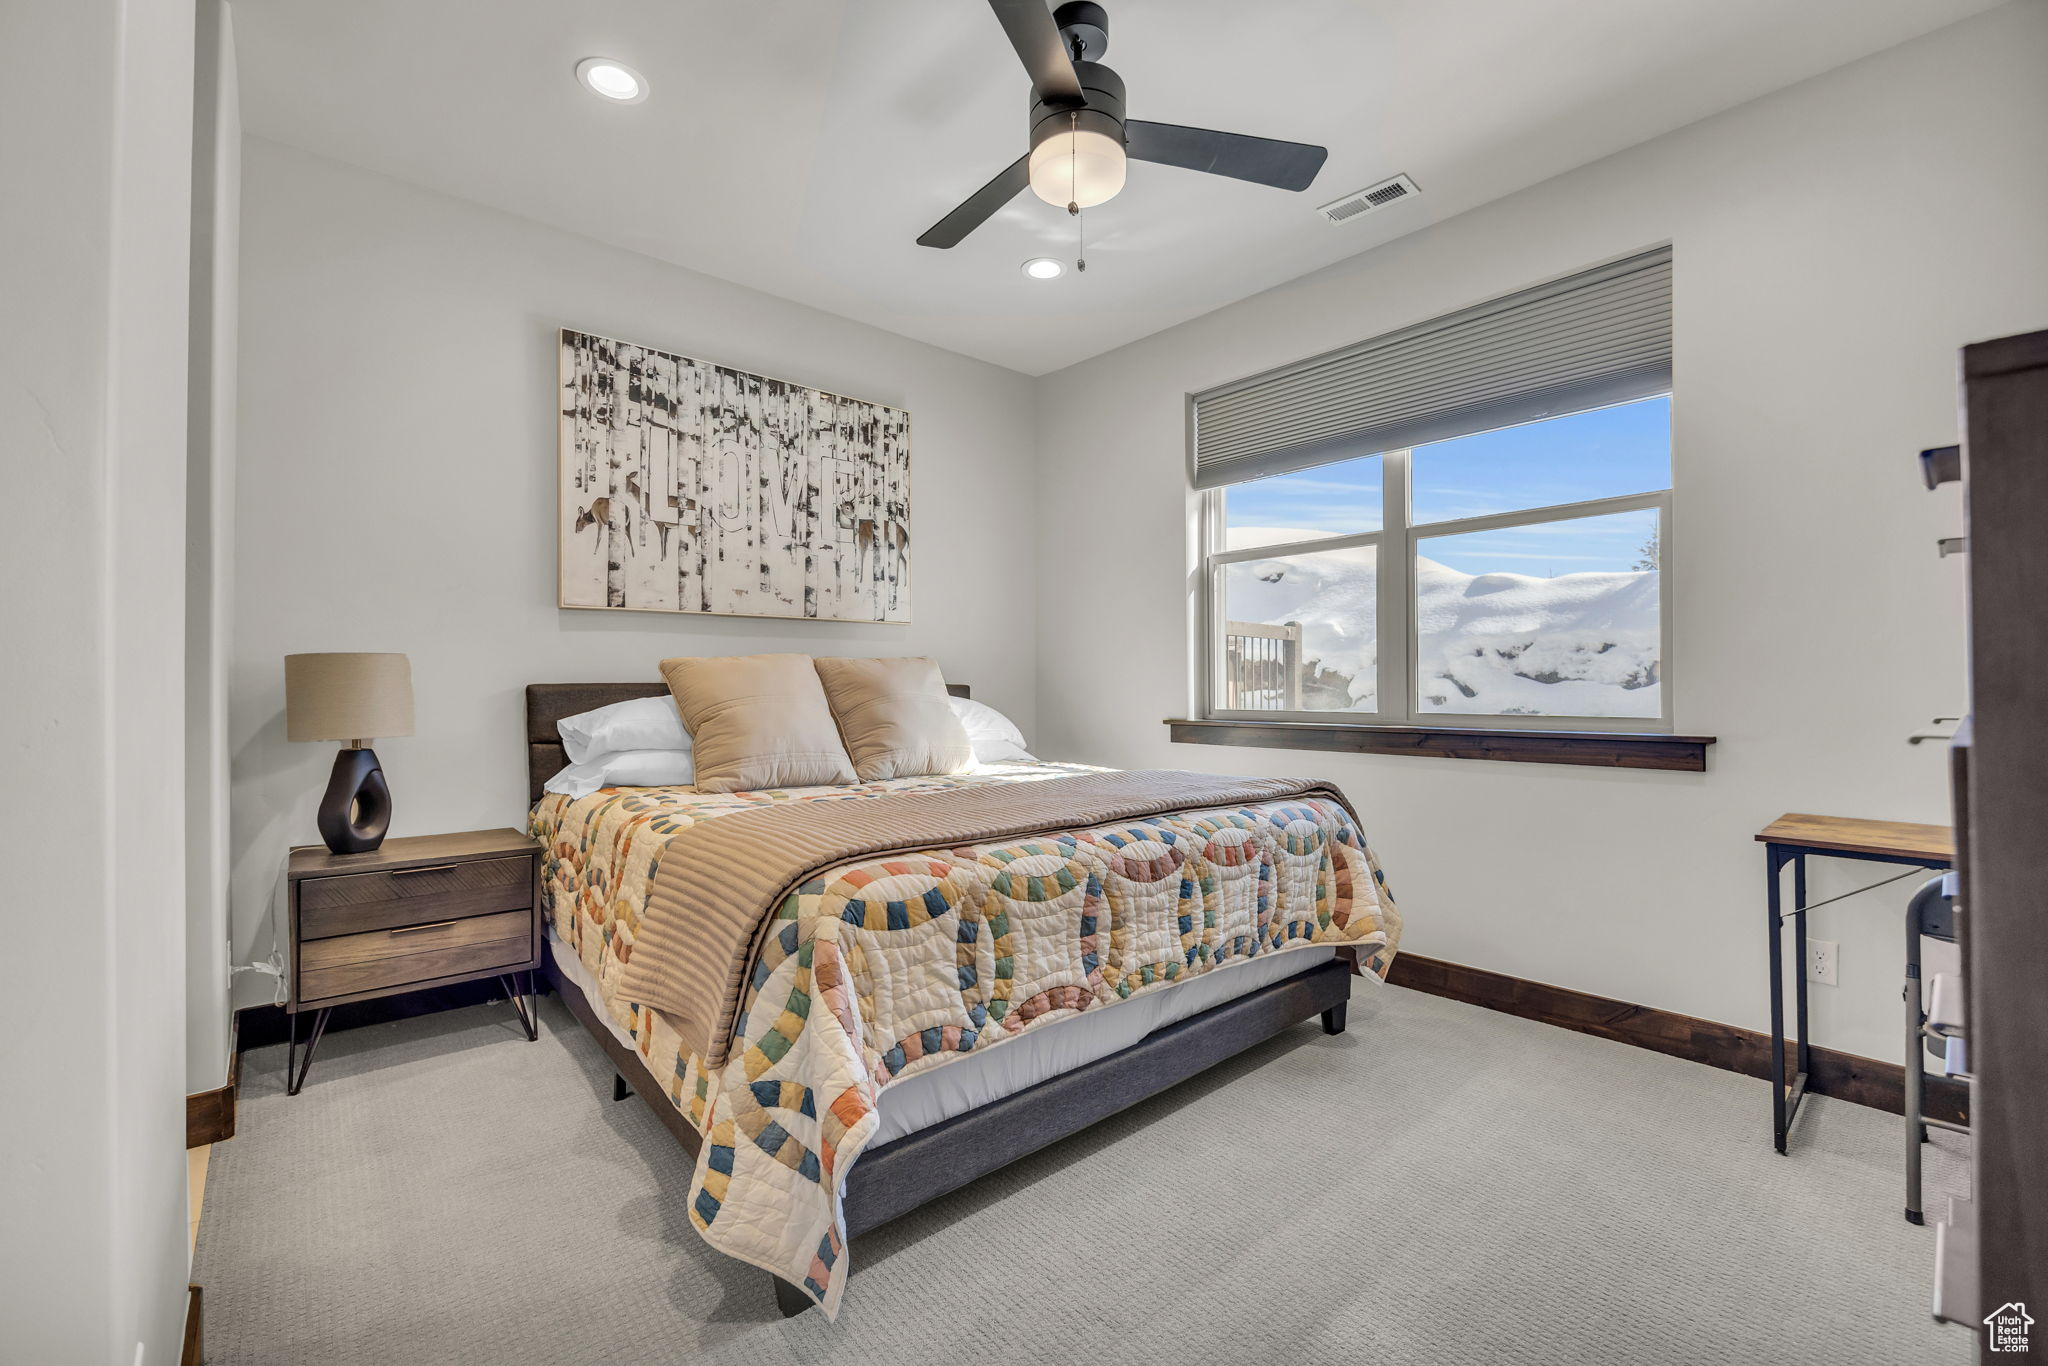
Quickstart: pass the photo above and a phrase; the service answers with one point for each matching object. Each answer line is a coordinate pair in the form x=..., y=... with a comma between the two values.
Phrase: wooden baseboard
x=195, y=1341
x=1844, y=1076
x=210, y=1115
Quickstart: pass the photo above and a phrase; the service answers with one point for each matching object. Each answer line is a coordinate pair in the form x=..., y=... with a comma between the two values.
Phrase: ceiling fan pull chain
x=1073, y=204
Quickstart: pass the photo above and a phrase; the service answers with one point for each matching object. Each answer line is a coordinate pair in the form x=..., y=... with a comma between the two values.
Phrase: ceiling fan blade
x=1264, y=161
x=1039, y=46
x=979, y=206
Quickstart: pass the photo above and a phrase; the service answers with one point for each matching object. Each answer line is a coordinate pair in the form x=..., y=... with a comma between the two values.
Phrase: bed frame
x=895, y=1178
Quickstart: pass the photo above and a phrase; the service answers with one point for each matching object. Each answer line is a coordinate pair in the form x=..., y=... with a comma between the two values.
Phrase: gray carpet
x=1440, y=1184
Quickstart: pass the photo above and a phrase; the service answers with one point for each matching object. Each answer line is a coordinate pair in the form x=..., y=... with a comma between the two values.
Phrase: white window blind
x=1599, y=337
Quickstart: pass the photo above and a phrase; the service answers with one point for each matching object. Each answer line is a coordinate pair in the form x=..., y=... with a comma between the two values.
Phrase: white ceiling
x=800, y=146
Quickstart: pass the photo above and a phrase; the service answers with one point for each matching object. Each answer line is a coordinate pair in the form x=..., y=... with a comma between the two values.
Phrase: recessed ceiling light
x=612, y=79
x=1043, y=268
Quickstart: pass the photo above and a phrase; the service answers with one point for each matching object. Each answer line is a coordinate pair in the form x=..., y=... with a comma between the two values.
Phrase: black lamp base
x=356, y=811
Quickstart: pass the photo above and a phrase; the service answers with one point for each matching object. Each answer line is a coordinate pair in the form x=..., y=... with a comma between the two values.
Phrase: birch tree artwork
x=690, y=487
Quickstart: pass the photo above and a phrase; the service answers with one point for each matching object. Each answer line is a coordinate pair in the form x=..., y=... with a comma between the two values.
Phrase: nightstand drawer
x=381, y=959
x=354, y=903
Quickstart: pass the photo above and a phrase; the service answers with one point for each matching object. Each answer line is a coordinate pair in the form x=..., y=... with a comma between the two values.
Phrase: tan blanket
x=721, y=881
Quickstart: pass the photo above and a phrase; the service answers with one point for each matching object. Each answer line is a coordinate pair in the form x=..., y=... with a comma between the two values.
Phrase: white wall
x=209, y=541
x=96, y=98
x=1835, y=243
x=396, y=489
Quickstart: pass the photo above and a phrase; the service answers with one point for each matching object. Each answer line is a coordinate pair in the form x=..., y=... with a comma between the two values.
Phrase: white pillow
x=643, y=723
x=995, y=737
x=632, y=768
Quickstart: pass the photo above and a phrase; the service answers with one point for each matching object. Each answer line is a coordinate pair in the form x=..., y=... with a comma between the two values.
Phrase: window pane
x=1552, y=619
x=1331, y=500
x=1297, y=633
x=1606, y=453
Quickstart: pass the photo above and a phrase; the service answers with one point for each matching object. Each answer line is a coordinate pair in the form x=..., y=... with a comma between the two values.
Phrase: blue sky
x=1600, y=454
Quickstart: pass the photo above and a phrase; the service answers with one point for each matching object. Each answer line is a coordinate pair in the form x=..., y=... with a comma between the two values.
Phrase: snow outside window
x=1515, y=577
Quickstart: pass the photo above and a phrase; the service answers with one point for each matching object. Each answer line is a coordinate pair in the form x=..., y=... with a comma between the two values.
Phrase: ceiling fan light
x=1077, y=166
x=1043, y=268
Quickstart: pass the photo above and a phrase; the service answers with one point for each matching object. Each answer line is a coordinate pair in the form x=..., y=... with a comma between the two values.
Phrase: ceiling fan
x=1080, y=137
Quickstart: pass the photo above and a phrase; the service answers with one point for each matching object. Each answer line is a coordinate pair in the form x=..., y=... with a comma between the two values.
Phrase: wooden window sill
x=1597, y=749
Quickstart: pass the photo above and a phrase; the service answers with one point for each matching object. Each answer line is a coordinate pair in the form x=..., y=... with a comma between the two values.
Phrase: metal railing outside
x=1262, y=666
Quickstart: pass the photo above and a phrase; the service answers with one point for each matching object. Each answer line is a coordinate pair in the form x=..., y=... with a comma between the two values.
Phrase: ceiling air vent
x=1370, y=198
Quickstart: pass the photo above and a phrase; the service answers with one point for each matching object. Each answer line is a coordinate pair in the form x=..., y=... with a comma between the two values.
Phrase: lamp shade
x=1078, y=166
x=347, y=697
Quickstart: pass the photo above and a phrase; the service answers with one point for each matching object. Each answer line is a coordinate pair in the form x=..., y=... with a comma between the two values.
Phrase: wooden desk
x=1792, y=838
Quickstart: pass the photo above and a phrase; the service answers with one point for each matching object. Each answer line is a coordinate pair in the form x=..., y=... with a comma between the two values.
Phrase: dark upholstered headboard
x=547, y=703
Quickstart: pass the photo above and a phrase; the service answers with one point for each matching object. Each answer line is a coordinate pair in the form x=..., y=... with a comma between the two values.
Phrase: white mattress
x=920, y=1101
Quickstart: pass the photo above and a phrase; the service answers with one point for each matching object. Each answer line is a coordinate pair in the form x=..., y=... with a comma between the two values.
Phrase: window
x=1500, y=573
x=1508, y=574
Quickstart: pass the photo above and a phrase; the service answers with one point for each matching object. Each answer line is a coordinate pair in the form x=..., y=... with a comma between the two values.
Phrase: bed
x=932, y=1112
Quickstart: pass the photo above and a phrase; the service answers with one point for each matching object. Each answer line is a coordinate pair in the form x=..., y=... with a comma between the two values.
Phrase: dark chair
x=1930, y=914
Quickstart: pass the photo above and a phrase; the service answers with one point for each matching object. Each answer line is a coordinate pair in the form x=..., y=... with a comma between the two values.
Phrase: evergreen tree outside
x=1651, y=556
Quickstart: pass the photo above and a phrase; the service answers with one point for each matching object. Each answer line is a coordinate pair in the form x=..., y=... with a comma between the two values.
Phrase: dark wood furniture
x=420, y=912
x=895, y=1178
x=1792, y=839
x=1589, y=749
x=1993, y=1252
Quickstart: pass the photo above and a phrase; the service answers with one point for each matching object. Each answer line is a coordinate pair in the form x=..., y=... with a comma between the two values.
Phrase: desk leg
x=1802, y=1065
x=1774, y=860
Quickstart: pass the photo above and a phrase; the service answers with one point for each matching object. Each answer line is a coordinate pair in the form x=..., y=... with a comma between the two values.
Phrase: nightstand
x=422, y=912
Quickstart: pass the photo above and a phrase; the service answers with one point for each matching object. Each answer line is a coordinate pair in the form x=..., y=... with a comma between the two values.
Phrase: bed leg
x=621, y=1088
x=1333, y=1018
x=790, y=1301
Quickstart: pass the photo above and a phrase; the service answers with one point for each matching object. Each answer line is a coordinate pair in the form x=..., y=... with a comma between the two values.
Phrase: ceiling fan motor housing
x=1102, y=91
x=1085, y=27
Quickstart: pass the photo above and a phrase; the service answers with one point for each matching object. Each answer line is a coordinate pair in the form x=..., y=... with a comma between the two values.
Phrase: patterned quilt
x=882, y=968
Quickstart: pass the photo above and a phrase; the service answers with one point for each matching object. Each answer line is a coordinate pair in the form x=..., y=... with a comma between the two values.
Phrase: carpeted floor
x=1439, y=1184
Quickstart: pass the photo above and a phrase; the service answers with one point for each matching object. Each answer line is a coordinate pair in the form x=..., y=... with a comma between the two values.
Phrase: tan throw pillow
x=895, y=718
x=757, y=721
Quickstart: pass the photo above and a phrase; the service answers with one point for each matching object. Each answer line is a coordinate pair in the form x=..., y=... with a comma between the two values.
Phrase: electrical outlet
x=1821, y=961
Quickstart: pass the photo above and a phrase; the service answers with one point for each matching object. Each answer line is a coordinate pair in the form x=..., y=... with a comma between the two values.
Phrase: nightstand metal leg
x=527, y=1006
x=296, y=1065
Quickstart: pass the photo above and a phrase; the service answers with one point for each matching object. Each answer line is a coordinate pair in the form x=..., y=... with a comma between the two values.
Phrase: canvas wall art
x=692, y=487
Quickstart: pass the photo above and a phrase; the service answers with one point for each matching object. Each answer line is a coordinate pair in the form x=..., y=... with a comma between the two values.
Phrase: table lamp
x=351, y=697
